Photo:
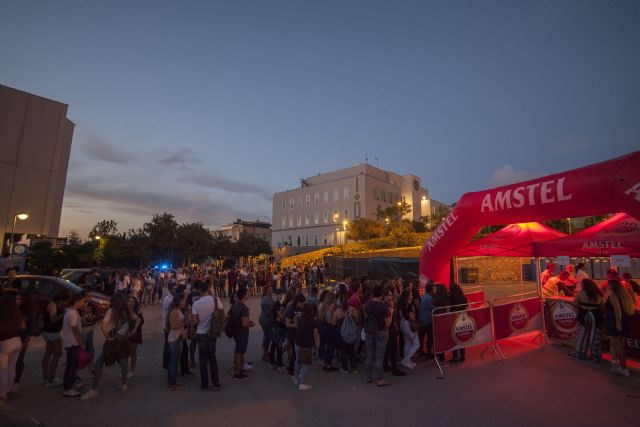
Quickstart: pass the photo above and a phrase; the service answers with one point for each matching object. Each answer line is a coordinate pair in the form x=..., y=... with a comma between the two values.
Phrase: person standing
x=266, y=320
x=52, y=328
x=203, y=312
x=378, y=318
x=306, y=340
x=117, y=325
x=72, y=342
x=590, y=305
x=425, y=320
x=166, y=305
x=441, y=302
x=175, y=339
x=232, y=281
x=11, y=325
x=278, y=332
x=88, y=318
x=459, y=302
x=291, y=315
x=27, y=306
x=581, y=274
x=620, y=307
x=136, y=335
x=242, y=323
x=407, y=328
x=547, y=274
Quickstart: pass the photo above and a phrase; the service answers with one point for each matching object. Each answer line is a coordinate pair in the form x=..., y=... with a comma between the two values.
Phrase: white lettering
x=518, y=197
x=545, y=190
x=486, y=203
x=531, y=188
x=561, y=196
x=503, y=200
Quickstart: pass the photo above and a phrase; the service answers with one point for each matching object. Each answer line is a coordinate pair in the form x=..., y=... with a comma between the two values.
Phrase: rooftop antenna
x=376, y=159
x=366, y=159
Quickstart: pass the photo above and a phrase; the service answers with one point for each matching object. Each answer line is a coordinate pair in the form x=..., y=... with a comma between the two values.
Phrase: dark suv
x=44, y=287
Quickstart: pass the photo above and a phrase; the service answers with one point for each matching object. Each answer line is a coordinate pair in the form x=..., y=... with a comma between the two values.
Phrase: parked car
x=44, y=287
x=75, y=275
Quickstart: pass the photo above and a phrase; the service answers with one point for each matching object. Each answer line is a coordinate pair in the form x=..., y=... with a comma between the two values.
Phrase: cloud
x=96, y=148
x=181, y=157
x=215, y=181
x=507, y=174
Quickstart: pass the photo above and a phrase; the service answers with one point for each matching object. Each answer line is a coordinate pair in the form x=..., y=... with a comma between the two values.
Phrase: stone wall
x=497, y=268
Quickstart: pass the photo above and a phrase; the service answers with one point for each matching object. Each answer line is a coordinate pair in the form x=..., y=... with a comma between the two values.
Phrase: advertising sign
x=462, y=329
x=562, y=318
x=620, y=261
x=517, y=317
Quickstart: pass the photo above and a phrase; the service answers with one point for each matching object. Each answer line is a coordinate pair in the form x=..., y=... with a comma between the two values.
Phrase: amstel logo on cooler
x=518, y=318
x=565, y=316
x=464, y=329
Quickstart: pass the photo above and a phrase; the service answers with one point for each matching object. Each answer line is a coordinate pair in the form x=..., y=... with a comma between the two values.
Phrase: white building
x=314, y=214
x=259, y=229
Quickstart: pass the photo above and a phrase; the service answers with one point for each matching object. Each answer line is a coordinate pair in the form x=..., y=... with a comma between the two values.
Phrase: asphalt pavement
x=536, y=385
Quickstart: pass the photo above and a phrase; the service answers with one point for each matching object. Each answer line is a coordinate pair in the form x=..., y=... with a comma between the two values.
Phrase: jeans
x=301, y=371
x=426, y=332
x=124, y=370
x=391, y=353
x=88, y=342
x=347, y=355
x=20, y=363
x=166, y=351
x=9, y=352
x=176, y=349
x=207, y=357
x=375, y=345
x=71, y=367
x=292, y=359
x=330, y=339
x=267, y=335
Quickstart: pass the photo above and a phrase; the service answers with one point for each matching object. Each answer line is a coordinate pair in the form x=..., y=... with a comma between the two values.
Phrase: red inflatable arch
x=611, y=186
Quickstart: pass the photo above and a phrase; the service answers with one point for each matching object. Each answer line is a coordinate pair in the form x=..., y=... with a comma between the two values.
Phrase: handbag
x=83, y=358
x=217, y=321
x=304, y=355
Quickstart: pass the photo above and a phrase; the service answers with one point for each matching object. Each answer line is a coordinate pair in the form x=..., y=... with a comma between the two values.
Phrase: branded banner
x=475, y=298
x=562, y=318
x=517, y=317
x=462, y=329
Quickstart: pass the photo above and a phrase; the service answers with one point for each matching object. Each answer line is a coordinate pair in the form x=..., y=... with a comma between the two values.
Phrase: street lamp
x=18, y=216
x=335, y=222
x=97, y=237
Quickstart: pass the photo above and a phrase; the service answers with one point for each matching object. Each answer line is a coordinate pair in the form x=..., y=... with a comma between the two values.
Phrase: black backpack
x=229, y=326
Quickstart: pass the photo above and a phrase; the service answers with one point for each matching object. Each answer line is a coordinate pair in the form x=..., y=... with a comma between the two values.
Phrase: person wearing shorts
x=242, y=323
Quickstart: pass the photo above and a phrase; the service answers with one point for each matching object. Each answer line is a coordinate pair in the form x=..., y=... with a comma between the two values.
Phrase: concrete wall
x=35, y=143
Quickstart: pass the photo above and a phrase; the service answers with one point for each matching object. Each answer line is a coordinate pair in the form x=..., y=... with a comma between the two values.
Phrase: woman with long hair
x=590, y=302
x=51, y=332
x=175, y=326
x=408, y=328
x=306, y=339
x=11, y=325
x=117, y=325
x=329, y=330
x=620, y=307
x=440, y=301
x=136, y=335
x=346, y=313
x=460, y=303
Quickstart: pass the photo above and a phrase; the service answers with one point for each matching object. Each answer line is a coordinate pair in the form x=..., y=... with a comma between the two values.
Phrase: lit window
x=284, y=222
x=300, y=201
x=307, y=219
x=326, y=217
x=290, y=221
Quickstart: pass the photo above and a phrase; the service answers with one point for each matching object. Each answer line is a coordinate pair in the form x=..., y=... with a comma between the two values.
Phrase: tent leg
x=439, y=366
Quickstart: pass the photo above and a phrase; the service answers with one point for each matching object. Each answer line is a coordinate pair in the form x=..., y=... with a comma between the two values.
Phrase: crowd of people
x=607, y=306
x=351, y=327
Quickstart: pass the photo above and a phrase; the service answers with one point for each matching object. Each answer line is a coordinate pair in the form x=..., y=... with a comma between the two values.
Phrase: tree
x=365, y=228
x=103, y=228
x=394, y=212
x=73, y=238
x=248, y=245
x=162, y=237
x=194, y=242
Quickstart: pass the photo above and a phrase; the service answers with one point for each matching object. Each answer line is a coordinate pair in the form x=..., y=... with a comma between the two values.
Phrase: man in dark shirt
x=232, y=280
x=378, y=317
x=242, y=323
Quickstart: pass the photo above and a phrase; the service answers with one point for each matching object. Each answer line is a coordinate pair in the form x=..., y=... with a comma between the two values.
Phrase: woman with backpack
x=117, y=325
x=348, y=330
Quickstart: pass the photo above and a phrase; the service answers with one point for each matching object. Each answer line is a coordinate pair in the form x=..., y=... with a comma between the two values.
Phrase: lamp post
x=344, y=237
x=18, y=216
x=335, y=222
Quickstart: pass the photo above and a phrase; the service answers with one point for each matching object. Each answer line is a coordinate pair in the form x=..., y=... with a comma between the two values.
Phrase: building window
x=326, y=217
x=335, y=213
x=315, y=240
x=316, y=199
x=325, y=239
x=291, y=203
x=376, y=193
x=357, y=189
x=346, y=214
x=325, y=197
x=384, y=196
x=316, y=218
x=290, y=241
x=299, y=222
x=290, y=221
x=298, y=240
x=307, y=219
x=356, y=210
x=335, y=194
x=345, y=192
x=284, y=204
x=284, y=222
x=306, y=240
x=390, y=197
x=300, y=201
x=307, y=199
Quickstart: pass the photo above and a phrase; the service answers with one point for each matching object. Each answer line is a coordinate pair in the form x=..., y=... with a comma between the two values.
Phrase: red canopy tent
x=619, y=235
x=514, y=240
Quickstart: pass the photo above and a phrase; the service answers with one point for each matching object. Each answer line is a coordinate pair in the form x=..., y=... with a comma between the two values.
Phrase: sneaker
x=241, y=377
x=248, y=366
x=281, y=369
x=188, y=374
x=304, y=387
x=78, y=385
x=89, y=395
x=295, y=380
x=355, y=371
x=344, y=371
x=123, y=387
x=71, y=393
x=407, y=365
x=55, y=383
x=176, y=387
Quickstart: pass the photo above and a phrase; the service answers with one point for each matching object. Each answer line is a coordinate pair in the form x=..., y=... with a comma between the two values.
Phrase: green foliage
x=248, y=245
x=103, y=228
x=364, y=228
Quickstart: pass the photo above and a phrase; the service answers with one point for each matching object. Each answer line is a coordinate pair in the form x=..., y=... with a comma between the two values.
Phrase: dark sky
x=205, y=109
